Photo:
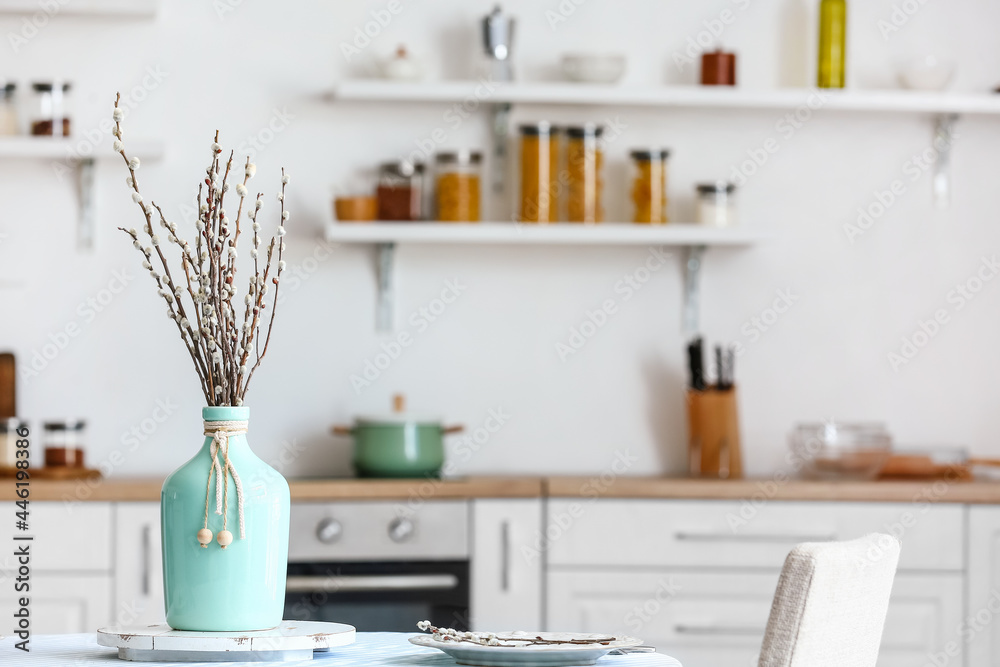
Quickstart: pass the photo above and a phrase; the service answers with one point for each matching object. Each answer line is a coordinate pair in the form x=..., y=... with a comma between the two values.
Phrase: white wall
x=495, y=346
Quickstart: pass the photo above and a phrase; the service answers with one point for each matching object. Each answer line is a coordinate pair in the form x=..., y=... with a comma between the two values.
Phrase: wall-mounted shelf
x=501, y=233
x=693, y=239
x=125, y=8
x=559, y=93
x=72, y=153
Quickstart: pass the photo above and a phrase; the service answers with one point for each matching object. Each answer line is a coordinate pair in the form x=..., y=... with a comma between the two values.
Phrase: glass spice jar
x=63, y=441
x=8, y=109
x=399, y=195
x=458, y=185
x=715, y=204
x=584, y=166
x=51, y=110
x=539, y=173
x=649, y=186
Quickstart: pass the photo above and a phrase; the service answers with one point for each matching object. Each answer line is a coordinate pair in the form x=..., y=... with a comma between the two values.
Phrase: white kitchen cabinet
x=68, y=536
x=980, y=629
x=61, y=603
x=138, y=564
x=718, y=618
x=506, y=564
x=710, y=533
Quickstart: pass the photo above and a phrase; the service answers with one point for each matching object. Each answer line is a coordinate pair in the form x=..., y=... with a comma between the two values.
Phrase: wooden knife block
x=714, y=434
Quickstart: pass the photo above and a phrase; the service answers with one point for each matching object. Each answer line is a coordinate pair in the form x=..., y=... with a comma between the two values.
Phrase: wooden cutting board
x=8, y=384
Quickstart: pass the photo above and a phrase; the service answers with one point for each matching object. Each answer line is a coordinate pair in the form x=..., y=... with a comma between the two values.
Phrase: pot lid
x=398, y=416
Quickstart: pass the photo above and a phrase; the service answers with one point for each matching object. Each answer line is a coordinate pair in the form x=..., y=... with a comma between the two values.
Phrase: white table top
x=372, y=649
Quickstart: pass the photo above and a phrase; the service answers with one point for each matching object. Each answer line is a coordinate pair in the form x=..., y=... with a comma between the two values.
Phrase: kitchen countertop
x=144, y=490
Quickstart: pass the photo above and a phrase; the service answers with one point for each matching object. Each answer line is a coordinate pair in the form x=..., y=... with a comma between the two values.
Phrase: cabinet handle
x=145, y=560
x=505, y=556
x=751, y=537
x=375, y=583
x=718, y=630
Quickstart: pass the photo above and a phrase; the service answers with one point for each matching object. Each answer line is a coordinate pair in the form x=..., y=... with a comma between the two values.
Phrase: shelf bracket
x=944, y=137
x=86, y=224
x=693, y=256
x=385, y=307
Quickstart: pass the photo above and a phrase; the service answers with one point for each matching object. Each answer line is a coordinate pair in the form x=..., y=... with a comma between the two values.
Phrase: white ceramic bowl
x=927, y=73
x=593, y=68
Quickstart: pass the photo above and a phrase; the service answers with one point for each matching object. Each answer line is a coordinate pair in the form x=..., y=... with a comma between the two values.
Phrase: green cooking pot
x=397, y=446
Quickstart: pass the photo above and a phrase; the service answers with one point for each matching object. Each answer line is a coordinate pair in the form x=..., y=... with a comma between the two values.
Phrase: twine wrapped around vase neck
x=220, y=431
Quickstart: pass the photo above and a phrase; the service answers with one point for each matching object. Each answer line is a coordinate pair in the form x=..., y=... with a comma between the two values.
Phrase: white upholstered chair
x=830, y=604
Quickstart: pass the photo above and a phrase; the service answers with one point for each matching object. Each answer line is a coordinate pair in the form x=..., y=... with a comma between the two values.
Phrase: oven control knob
x=401, y=530
x=329, y=531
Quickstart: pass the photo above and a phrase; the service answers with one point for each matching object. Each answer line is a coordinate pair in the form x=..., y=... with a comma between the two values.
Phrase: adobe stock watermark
x=958, y=298
x=900, y=15
x=561, y=522
x=563, y=11
x=370, y=31
x=86, y=312
x=913, y=169
x=971, y=626
x=787, y=126
x=453, y=118
x=761, y=323
x=709, y=36
x=88, y=140
x=31, y=25
x=595, y=320
x=666, y=590
x=419, y=320
x=255, y=143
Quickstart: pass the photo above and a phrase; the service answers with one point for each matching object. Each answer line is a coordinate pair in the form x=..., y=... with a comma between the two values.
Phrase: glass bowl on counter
x=841, y=450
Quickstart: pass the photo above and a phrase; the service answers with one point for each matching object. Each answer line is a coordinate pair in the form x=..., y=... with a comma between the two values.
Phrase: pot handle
x=342, y=430
x=452, y=429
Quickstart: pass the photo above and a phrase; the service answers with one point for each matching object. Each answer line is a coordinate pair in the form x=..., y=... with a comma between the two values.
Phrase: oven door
x=380, y=596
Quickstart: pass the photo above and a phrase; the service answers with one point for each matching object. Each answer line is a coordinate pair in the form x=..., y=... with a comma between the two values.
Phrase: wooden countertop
x=147, y=490
x=143, y=490
x=975, y=492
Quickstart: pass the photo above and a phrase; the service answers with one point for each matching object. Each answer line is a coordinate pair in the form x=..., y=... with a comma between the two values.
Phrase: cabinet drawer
x=716, y=534
x=69, y=537
x=719, y=619
x=364, y=530
x=61, y=603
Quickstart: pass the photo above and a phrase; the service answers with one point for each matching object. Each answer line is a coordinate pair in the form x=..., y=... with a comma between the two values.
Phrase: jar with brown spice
x=584, y=166
x=400, y=191
x=63, y=442
x=539, y=173
x=458, y=186
x=649, y=186
x=51, y=109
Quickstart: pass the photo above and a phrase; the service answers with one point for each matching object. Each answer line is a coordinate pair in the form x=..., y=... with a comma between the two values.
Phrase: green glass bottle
x=832, y=43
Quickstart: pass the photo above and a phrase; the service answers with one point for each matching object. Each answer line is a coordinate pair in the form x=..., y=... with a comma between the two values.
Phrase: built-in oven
x=379, y=565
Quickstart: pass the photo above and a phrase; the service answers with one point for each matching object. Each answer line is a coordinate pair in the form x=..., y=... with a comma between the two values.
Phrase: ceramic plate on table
x=516, y=649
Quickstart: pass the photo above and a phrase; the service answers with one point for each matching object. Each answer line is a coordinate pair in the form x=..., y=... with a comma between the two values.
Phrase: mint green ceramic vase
x=239, y=588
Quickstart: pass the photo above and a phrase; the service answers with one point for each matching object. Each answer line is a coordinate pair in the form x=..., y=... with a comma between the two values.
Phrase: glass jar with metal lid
x=539, y=173
x=8, y=109
x=458, y=179
x=63, y=441
x=716, y=204
x=51, y=109
x=649, y=185
x=8, y=442
x=584, y=167
x=400, y=191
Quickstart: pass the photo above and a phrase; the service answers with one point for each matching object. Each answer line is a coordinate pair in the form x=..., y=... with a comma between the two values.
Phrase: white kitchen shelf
x=509, y=233
x=42, y=148
x=125, y=8
x=693, y=239
x=74, y=153
x=722, y=97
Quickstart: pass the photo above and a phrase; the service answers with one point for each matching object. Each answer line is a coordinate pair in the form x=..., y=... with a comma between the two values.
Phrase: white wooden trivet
x=292, y=640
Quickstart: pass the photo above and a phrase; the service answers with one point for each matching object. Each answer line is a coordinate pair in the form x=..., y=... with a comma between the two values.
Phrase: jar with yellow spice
x=584, y=166
x=649, y=186
x=458, y=185
x=539, y=173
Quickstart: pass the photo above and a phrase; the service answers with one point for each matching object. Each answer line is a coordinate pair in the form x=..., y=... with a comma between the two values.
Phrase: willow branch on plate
x=219, y=346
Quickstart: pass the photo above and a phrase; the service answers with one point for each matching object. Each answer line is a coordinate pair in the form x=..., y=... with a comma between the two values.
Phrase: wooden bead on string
x=225, y=538
x=204, y=537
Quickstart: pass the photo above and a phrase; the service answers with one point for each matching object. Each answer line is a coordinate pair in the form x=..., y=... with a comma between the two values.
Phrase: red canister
x=718, y=68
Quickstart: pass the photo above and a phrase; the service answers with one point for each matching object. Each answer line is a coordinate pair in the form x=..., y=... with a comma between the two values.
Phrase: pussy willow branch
x=218, y=349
